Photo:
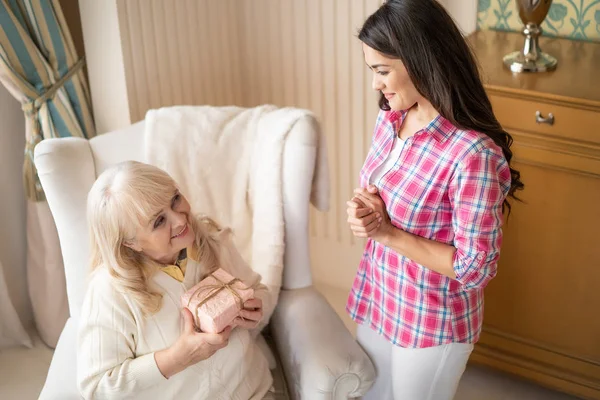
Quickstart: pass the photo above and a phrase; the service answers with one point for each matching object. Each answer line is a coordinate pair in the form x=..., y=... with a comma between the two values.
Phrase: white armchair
x=317, y=354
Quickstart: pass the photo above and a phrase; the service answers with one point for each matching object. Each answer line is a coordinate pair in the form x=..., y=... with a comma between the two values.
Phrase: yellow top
x=174, y=271
x=177, y=272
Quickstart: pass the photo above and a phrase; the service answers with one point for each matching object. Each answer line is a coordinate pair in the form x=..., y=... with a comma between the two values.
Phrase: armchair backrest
x=68, y=167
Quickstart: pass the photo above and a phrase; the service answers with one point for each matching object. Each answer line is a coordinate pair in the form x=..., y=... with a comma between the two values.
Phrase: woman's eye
x=176, y=199
x=383, y=73
x=159, y=221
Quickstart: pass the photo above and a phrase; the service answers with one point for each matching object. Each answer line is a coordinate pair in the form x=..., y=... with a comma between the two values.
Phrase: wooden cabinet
x=542, y=317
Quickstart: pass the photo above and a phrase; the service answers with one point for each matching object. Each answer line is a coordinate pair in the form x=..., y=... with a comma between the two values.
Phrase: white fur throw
x=228, y=163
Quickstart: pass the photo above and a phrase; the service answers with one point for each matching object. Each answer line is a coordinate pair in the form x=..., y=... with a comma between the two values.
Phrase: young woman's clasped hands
x=367, y=215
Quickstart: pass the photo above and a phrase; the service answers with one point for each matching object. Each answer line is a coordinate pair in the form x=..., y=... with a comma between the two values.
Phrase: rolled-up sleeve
x=477, y=192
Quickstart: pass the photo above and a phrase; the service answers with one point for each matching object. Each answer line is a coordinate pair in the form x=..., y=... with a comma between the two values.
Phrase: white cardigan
x=116, y=344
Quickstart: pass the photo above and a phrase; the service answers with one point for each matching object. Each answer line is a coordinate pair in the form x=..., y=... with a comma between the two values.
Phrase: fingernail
x=378, y=215
x=380, y=219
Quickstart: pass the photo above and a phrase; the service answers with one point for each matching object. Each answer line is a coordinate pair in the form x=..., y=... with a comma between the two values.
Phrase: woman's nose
x=179, y=219
x=377, y=84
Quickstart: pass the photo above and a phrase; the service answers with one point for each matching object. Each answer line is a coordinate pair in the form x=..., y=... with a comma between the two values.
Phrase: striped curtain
x=40, y=68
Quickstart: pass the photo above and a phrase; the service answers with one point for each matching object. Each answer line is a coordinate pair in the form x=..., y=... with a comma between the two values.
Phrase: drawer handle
x=541, y=120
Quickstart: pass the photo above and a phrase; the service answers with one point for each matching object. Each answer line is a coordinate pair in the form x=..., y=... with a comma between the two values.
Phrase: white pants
x=431, y=373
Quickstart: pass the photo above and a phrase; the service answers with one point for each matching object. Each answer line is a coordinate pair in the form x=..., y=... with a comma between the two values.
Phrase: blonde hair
x=122, y=200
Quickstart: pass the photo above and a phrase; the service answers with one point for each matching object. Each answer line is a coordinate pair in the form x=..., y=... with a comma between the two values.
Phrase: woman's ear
x=132, y=244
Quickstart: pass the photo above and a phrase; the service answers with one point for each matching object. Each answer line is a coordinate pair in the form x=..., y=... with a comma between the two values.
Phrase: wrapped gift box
x=216, y=301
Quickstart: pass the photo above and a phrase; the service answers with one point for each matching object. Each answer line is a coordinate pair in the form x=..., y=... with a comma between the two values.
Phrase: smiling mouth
x=182, y=232
x=388, y=95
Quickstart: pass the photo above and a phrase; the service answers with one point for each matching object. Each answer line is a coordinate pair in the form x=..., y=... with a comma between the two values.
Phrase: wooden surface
x=575, y=80
x=542, y=319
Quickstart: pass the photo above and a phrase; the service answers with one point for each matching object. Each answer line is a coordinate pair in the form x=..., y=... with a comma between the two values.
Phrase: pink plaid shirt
x=448, y=185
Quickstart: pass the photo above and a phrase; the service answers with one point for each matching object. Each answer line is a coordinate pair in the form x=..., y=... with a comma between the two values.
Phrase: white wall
x=12, y=204
x=464, y=13
x=102, y=41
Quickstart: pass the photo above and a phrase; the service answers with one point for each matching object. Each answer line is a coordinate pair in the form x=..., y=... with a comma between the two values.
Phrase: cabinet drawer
x=569, y=122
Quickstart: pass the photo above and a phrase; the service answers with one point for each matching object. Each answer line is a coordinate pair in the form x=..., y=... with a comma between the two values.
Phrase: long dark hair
x=440, y=64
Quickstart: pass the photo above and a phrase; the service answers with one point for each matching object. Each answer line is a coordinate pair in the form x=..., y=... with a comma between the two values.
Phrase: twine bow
x=214, y=290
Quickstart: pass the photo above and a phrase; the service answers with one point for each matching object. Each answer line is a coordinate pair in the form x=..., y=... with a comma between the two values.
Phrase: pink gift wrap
x=222, y=307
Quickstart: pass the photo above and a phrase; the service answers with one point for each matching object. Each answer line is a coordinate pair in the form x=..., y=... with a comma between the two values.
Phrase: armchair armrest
x=319, y=356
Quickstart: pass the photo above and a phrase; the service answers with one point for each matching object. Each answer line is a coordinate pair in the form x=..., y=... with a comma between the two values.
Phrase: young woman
x=431, y=203
x=147, y=249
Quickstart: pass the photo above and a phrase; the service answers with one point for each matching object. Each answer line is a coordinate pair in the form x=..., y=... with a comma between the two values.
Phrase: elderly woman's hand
x=251, y=315
x=191, y=347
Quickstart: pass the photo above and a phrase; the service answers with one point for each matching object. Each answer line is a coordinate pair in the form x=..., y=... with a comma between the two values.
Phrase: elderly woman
x=135, y=341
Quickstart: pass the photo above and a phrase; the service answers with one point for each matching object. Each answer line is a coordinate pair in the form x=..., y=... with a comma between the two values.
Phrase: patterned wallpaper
x=574, y=19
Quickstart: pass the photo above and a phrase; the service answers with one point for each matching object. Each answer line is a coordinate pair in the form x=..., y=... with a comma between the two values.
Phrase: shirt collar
x=181, y=262
x=439, y=128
